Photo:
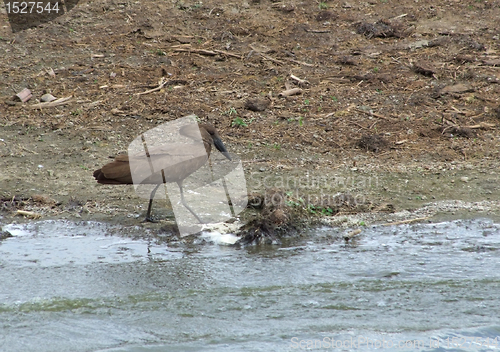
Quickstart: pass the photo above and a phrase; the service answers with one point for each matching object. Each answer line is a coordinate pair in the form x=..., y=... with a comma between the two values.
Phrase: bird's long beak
x=221, y=148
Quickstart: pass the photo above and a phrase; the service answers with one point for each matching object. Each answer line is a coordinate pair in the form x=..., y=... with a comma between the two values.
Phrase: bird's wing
x=177, y=161
x=168, y=156
x=118, y=170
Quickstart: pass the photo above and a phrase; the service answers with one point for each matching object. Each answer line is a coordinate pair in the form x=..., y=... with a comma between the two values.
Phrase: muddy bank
x=348, y=109
x=282, y=201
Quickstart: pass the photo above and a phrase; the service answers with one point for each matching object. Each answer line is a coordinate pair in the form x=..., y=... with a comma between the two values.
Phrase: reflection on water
x=70, y=287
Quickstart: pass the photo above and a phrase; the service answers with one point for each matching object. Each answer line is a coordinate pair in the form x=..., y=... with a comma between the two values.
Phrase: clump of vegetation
x=299, y=119
x=238, y=122
x=323, y=5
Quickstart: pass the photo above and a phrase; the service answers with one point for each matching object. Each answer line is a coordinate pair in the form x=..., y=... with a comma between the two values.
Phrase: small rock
x=456, y=89
x=47, y=98
x=257, y=104
x=464, y=179
x=262, y=169
x=5, y=234
x=424, y=68
x=379, y=29
x=374, y=143
x=418, y=44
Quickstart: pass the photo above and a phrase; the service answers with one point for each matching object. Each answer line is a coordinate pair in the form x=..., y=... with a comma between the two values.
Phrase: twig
x=357, y=124
x=60, y=101
x=267, y=57
x=372, y=114
x=400, y=16
x=318, y=30
x=406, y=221
x=229, y=54
x=300, y=80
x=163, y=83
x=484, y=125
x=300, y=62
x=287, y=93
x=351, y=234
x=207, y=52
x=29, y=151
x=196, y=51
x=29, y=214
x=458, y=111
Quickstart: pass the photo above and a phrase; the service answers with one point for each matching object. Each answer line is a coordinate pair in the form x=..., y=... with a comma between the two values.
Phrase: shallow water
x=71, y=287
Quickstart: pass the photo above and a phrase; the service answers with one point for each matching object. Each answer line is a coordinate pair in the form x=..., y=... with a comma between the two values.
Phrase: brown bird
x=168, y=163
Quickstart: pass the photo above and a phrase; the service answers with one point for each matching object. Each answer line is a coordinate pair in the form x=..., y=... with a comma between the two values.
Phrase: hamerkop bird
x=172, y=162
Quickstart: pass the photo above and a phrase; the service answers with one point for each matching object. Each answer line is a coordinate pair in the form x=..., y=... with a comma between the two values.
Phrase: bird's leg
x=150, y=206
x=228, y=197
x=187, y=206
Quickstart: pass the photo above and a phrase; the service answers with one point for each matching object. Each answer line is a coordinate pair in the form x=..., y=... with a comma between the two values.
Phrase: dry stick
x=406, y=221
x=29, y=214
x=267, y=57
x=446, y=128
x=180, y=46
x=29, y=151
x=229, y=54
x=152, y=90
x=162, y=84
x=318, y=30
x=351, y=234
x=476, y=116
x=208, y=52
x=400, y=16
x=60, y=101
x=196, y=51
x=458, y=111
x=357, y=124
x=372, y=114
x=300, y=62
x=300, y=80
x=289, y=92
x=484, y=125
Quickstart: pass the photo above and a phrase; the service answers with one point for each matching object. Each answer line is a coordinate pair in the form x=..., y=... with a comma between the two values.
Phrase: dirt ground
x=397, y=101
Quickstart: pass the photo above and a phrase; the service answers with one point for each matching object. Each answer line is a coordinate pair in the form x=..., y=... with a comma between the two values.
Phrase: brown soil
x=386, y=88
